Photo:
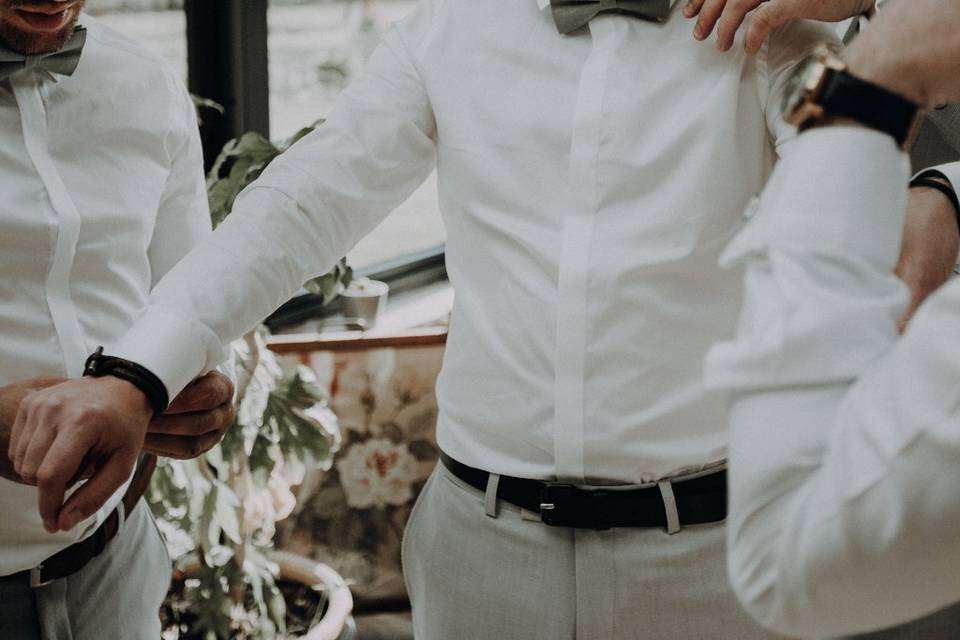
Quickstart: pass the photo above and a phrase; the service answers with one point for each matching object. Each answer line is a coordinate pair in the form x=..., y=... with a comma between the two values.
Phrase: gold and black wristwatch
x=822, y=87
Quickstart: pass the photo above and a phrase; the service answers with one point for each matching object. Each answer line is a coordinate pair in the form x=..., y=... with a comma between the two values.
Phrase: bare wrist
x=884, y=68
x=129, y=394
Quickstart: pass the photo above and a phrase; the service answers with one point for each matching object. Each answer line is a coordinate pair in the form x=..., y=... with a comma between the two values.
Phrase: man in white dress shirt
x=103, y=191
x=845, y=436
x=591, y=169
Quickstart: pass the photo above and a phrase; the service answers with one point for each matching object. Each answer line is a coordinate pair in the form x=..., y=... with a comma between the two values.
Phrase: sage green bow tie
x=63, y=62
x=571, y=15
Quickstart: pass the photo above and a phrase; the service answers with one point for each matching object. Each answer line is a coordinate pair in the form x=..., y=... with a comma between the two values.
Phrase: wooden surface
x=357, y=341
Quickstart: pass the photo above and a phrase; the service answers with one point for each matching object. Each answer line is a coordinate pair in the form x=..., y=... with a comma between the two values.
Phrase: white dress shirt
x=845, y=482
x=102, y=182
x=587, y=183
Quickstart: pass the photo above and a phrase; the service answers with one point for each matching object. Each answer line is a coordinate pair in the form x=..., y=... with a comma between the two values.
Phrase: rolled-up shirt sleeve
x=822, y=300
x=304, y=213
x=844, y=437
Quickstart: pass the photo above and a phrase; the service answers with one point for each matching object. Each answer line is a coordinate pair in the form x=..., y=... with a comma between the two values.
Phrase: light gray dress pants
x=476, y=577
x=480, y=569
x=116, y=596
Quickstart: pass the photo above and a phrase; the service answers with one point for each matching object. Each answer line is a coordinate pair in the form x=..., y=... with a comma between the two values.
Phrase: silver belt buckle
x=35, y=579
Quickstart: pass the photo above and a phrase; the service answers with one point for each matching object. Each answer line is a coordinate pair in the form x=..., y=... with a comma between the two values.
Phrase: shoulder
x=120, y=60
x=113, y=40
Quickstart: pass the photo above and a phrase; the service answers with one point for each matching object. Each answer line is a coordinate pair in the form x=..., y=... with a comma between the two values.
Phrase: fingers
x=31, y=417
x=58, y=468
x=187, y=435
x=16, y=432
x=39, y=445
x=207, y=392
x=194, y=424
x=731, y=19
x=693, y=8
x=707, y=17
x=764, y=20
x=86, y=500
x=728, y=16
x=180, y=447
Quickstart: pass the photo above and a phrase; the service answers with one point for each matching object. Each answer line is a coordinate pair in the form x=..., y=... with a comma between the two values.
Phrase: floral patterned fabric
x=352, y=516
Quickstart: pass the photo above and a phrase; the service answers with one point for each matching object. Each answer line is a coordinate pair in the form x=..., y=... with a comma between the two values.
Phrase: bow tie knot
x=571, y=15
x=62, y=62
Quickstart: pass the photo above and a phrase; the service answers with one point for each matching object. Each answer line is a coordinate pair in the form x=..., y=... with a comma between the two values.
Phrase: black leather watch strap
x=99, y=365
x=848, y=96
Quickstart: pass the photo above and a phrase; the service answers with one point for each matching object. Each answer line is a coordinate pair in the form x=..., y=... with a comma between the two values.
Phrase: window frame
x=227, y=61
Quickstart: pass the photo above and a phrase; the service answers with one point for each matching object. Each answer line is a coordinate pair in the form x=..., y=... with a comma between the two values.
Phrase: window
x=159, y=25
x=315, y=49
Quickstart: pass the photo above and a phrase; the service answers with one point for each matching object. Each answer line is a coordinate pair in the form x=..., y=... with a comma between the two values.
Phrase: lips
x=44, y=18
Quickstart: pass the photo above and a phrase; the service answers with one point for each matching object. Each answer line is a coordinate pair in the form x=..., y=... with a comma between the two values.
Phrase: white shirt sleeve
x=844, y=437
x=305, y=212
x=950, y=171
x=183, y=217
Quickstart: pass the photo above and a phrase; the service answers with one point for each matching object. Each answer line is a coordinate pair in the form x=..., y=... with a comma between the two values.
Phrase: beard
x=30, y=42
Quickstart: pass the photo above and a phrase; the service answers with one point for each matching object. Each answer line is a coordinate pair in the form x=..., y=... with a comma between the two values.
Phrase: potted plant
x=218, y=512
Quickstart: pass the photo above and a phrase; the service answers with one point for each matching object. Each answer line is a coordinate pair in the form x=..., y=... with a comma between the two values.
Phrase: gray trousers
x=117, y=595
x=481, y=569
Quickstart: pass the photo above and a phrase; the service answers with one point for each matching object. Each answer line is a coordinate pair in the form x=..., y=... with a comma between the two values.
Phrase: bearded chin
x=28, y=43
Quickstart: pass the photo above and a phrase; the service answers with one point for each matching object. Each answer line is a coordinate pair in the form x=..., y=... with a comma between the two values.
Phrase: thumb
x=90, y=497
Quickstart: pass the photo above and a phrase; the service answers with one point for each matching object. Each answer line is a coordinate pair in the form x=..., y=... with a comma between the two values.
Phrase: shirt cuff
x=174, y=350
x=949, y=172
x=838, y=190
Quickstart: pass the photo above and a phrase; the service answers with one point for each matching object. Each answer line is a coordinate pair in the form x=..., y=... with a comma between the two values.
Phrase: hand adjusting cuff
x=99, y=365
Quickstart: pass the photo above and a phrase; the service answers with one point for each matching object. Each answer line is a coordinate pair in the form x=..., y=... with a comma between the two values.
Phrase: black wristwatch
x=99, y=365
x=821, y=86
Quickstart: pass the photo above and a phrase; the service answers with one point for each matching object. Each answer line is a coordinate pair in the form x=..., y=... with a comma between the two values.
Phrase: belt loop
x=670, y=506
x=490, y=499
x=122, y=513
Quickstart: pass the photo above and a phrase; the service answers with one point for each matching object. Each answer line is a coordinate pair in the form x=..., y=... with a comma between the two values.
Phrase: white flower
x=377, y=473
x=362, y=394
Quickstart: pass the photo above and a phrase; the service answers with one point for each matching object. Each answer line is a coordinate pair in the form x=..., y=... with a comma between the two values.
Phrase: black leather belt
x=76, y=556
x=700, y=500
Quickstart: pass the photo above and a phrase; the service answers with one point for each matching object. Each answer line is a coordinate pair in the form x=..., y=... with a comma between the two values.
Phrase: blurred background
x=313, y=49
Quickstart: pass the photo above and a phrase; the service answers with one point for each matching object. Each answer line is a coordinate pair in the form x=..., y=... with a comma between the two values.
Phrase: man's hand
x=729, y=15
x=195, y=421
x=931, y=242
x=11, y=396
x=89, y=423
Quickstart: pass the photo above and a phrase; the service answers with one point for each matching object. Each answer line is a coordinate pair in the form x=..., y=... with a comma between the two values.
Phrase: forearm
x=839, y=504
x=306, y=211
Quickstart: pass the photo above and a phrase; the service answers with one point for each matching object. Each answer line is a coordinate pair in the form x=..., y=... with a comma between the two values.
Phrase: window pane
x=159, y=26
x=316, y=47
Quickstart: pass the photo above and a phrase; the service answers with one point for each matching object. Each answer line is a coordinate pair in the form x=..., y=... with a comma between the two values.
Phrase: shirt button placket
x=575, y=260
